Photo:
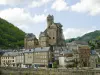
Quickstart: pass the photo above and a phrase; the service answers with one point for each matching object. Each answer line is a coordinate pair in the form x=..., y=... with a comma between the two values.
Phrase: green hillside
x=92, y=38
x=87, y=37
x=10, y=36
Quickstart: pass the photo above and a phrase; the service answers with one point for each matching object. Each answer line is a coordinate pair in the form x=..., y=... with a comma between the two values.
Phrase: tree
x=97, y=42
x=10, y=36
x=94, y=44
x=55, y=65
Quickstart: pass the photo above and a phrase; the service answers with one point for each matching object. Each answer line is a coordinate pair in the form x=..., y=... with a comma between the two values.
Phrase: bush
x=55, y=65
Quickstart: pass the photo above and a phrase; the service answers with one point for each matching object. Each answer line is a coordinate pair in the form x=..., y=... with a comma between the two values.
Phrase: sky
x=77, y=16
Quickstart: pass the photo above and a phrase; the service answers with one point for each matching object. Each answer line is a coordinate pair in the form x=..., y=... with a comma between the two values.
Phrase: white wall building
x=20, y=60
x=8, y=59
x=66, y=58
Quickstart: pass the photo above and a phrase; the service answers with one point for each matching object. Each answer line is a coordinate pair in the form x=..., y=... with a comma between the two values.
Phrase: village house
x=8, y=59
x=66, y=58
x=93, y=59
x=20, y=59
x=38, y=57
x=84, y=55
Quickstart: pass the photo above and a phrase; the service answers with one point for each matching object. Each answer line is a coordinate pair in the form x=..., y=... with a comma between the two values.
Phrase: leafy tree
x=10, y=36
x=95, y=44
x=55, y=64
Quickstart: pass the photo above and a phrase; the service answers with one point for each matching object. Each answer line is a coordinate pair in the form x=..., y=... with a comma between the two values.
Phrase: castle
x=52, y=36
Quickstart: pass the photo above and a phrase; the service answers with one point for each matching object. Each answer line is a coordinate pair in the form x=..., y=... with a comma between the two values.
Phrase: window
x=53, y=37
x=12, y=60
x=49, y=37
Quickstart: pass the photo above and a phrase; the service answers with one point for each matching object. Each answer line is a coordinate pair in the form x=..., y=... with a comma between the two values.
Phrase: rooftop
x=40, y=49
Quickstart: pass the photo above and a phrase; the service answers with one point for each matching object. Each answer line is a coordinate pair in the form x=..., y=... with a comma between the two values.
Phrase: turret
x=50, y=20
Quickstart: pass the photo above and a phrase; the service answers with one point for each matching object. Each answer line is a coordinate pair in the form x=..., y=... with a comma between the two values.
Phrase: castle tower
x=54, y=32
x=50, y=20
x=30, y=41
x=43, y=39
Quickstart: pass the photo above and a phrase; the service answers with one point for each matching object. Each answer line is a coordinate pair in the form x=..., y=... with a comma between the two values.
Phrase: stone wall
x=16, y=71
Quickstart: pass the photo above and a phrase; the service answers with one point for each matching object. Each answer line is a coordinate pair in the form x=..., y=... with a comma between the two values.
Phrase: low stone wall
x=18, y=71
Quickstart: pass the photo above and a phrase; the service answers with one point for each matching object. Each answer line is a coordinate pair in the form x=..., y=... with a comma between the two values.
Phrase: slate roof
x=67, y=52
x=44, y=49
x=80, y=42
x=42, y=34
x=30, y=35
x=93, y=52
x=10, y=54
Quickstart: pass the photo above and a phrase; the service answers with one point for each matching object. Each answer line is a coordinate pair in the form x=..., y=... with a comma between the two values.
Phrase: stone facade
x=39, y=57
x=66, y=58
x=30, y=41
x=93, y=59
x=20, y=60
x=8, y=59
x=53, y=35
x=84, y=55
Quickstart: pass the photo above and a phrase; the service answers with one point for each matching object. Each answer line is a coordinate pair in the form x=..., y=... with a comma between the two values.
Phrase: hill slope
x=87, y=37
x=10, y=36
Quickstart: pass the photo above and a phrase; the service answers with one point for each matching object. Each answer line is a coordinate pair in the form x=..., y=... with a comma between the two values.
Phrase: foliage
x=92, y=38
x=10, y=36
x=98, y=60
x=70, y=40
x=87, y=37
x=95, y=44
x=55, y=64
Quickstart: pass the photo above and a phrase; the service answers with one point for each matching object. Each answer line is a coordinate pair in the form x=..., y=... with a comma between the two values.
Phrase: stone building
x=20, y=59
x=8, y=59
x=53, y=35
x=84, y=55
x=93, y=59
x=66, y=58
x=38, y=57
x=30, y=41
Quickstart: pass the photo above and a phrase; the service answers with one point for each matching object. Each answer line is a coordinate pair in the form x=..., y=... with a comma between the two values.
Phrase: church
x=51, y=36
